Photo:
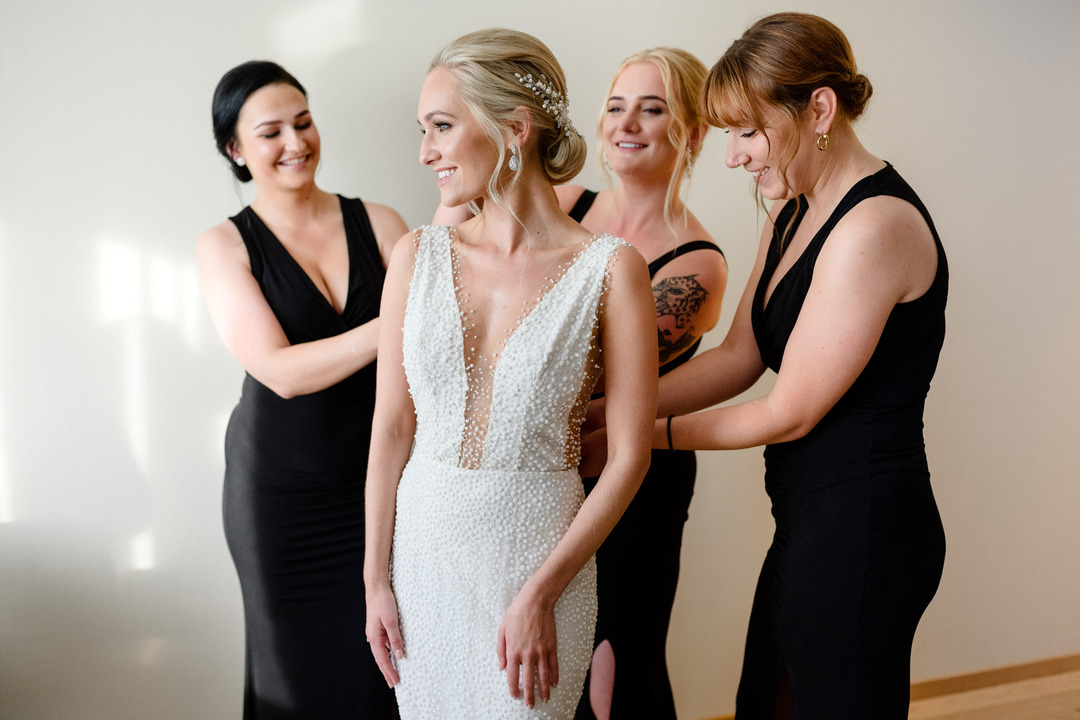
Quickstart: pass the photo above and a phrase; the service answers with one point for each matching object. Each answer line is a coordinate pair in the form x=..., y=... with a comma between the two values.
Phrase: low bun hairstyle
x=858, y=96
x=486, y=64
x=777, y=64
x=232, y=91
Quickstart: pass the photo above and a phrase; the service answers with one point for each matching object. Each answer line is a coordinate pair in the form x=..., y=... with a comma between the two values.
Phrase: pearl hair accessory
x=554, y=102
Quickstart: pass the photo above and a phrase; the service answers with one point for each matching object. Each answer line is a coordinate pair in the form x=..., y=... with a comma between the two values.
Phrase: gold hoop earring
x=820, y=137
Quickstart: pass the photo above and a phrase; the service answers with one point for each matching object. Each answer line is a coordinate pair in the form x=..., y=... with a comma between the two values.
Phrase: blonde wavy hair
x=683, y=76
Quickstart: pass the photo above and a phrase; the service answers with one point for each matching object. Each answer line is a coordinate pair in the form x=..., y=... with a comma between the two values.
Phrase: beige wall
x=118, y=598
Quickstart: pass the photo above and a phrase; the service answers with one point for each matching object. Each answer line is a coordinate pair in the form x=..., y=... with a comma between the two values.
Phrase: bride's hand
x=527, y=649
x=383, y=633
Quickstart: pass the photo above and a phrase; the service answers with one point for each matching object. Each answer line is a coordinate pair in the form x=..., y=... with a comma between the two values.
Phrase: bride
x=479, y=570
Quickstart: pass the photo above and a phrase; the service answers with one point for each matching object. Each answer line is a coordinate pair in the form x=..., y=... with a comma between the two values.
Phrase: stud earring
x=240, y=161
x=514, y=163
x=822, y=141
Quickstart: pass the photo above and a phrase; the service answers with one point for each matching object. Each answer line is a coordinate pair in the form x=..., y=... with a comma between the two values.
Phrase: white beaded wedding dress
x=491, y=485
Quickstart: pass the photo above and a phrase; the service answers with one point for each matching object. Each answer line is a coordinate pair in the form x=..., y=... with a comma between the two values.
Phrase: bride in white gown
x=481, y=587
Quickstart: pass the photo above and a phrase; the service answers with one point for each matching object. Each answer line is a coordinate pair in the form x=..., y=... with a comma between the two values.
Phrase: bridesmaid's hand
x=383, y=633
x=593, y=453
x=594, y=416
x=527, y=648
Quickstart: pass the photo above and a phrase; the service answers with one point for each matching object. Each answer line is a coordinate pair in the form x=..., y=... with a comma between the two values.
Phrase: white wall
x=117, y=596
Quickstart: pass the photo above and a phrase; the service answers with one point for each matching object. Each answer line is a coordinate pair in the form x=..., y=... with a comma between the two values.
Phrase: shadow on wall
x=118, y=597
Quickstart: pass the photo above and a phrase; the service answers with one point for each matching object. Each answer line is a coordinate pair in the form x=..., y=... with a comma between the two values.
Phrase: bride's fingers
x=543, y=680
x=528, y=684
x=500, y=648
x=380, y=649
x=512, y=678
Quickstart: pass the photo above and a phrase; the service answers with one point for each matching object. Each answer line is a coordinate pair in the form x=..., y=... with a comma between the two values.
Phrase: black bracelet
x=670, y=446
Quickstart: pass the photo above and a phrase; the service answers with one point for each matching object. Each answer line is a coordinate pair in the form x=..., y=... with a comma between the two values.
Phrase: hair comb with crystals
x=553, y=101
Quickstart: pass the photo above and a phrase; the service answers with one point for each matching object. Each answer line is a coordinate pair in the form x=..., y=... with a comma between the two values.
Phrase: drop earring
x=514, y=163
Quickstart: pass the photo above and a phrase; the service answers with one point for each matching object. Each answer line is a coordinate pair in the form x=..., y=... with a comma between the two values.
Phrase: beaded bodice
x=522, y=408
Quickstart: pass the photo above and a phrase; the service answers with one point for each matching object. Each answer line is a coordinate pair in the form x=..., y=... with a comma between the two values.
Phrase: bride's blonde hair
x=491, y=67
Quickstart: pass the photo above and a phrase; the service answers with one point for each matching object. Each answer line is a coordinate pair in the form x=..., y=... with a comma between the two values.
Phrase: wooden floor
x=1053, y=697
x=1041, y=690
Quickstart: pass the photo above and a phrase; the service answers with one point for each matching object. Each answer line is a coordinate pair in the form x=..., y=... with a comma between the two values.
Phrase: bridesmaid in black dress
x=846, y=303
x=651, y=132
x=292, y=284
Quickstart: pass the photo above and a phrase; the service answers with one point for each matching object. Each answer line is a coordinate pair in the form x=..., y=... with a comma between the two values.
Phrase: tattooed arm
x=688, y=293
x=679, y=300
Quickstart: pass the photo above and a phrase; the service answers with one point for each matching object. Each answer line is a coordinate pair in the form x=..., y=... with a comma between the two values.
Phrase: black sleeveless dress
x=294, y=500
x=859, y=546
x=637, y=566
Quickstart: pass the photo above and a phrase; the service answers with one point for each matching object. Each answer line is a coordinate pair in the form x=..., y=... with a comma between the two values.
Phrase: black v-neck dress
x=294, y=500
x=859, y=546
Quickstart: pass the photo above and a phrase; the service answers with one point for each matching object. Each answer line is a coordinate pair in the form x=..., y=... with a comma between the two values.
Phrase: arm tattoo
x=681, y=298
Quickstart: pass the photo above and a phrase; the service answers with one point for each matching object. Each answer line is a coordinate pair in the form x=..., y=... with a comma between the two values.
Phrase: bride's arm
x=628, y=344
x=392, y=429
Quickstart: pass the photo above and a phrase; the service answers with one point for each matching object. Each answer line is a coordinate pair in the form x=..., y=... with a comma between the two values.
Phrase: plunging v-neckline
x=461, y=295
x=767, y=295
x=819, y=235
x=312, y=285
x=482, y=372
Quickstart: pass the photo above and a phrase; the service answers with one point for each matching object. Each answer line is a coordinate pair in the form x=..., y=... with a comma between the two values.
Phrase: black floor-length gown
x=859, y=546
x=637, y=566
x=294, y=500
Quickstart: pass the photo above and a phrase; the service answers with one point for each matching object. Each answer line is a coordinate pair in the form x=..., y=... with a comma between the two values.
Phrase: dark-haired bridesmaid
x=293, y=284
